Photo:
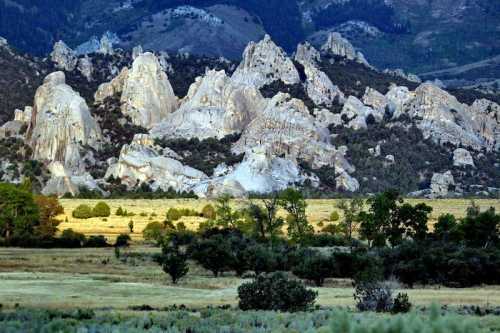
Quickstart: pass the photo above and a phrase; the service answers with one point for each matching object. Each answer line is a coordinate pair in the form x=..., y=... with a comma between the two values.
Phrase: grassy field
x=147, y=211
x=94, y=278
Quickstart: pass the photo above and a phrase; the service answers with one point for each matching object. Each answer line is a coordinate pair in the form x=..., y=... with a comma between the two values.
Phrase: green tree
x=266, y=225
x=213, y=254
x=131, y=226
x=173, y=214
x=446, y=229
x=226, y=216
x=173, y=262
x=49, y=208
x=19, y=213
x=481, y=229
x=294, y=203
x=351, y=210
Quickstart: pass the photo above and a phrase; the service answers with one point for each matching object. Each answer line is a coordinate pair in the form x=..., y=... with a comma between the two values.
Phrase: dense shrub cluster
x=101, y=209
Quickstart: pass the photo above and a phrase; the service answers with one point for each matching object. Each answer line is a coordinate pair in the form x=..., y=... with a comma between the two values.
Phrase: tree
x=264, y=220
x=154, y=231
x=446, y=229
x=173, y=214
x=173, y=262
x=19, y=213
x=101, y=209
x=481, y=229
x=294, y=203
x=131, y=226
x=49, y=209
x=314, y=267
x=260, y=259
x=226, y=216
x=213, y=254
x=122, y=240
x=351, y=210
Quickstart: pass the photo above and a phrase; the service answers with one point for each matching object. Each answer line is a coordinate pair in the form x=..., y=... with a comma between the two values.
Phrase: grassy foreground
x=147, y=211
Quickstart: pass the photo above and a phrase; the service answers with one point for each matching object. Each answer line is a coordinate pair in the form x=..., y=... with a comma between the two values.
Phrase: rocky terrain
x=322, y=119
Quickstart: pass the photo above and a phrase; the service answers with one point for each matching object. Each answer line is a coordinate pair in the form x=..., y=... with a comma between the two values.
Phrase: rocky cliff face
x=143, y=162
x=61, y=124
x=337, y=45
x=215, y=106
x=263, y=63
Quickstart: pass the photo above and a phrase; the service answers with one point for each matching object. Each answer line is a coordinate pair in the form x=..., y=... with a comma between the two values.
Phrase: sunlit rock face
x=215, y=106
x=339, y=46
x=63, y=57
x=357, y=114
x=287, y=128
x=263, y=63
x=61, y=124
x=445, y=120
x=143, y=162
x=147, y=96
x=462, y=158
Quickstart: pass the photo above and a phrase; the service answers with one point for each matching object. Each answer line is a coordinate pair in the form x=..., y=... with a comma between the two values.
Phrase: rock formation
x=440, y=184
x=357, y=114
x=287, y=128
x=63, y=182
x=263, y=63
x=462, y=158
x=86, y=68
x=441, y=117
x=143, y=162
x=375, y=99
x=307, y=54
x=146, y=94
x=61, y=124
x=20, y=122
x=320, y=88
x=63, y=57
x=339, y=46
x=215, y=106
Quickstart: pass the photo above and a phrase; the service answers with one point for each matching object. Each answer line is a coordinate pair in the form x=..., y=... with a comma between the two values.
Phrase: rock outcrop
x=63, y=182
x=462, y=158
x=147, y=96
x=287, y=128
x=263, y=63
x=440, y=184
x=375, y=99
x=61, y=124
x=339, y=46
x=86, y=68
x=357, y=114
x=307, y=54
x=320, y=88
x=142, y=162
x=63, y=56
x=16, y=126
x=215, y=106
x=445, y=120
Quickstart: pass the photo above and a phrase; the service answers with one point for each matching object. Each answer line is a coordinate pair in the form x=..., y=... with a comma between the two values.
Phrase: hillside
x=418, y=36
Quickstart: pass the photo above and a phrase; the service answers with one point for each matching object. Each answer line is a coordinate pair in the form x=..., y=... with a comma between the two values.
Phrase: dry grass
x=112, y=226
x=70, y=278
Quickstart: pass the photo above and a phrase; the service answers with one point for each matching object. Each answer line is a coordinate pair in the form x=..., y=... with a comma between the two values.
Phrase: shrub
x=154, y=231
x=173, y=263
x=122, y=240
x=213, y=254
x=101, y=209
x=173, y=214
x=314, y=267
x=71, y=239
x=96, y=241
x=208, y=212
x=119, y=211
x=131, y=226
x=401, y=304
x=275, y=292
x=82, y=212
x=260, y=259
x=373, y=296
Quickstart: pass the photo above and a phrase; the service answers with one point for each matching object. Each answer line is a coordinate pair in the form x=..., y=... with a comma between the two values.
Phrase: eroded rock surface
x=63, y=56
x=215, y=106
x=263, y=63
x=61, y=124
x=339, y=46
